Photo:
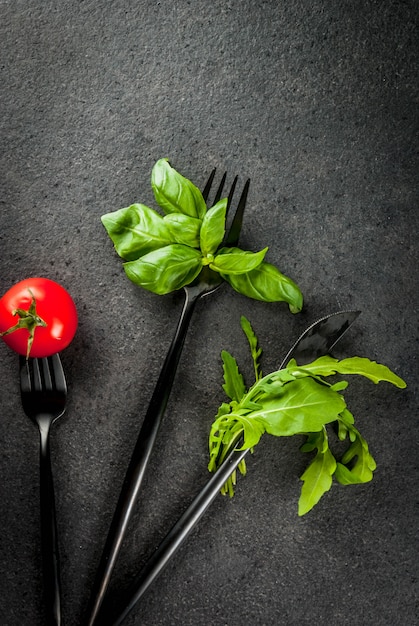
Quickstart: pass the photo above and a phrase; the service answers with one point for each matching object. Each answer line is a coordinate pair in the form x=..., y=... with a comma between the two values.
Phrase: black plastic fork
x=44, y=392
x=207, y=282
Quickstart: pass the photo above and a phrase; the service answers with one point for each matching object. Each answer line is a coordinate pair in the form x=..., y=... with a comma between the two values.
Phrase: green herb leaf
x=224, y=433
x=136, y=230
x=224, y=437
x=255, y=350
x=223, y=409
x=266, y=283
x=370, y=369
x=233, y=381
x=252, y=430
x=327, y=365
x=183, y=229
x=175, y=193
x=272, y=386
x=231, y=261
x=303, y=406
x=296, y=400
x=357, y=464
x=317, y=478
x=347, y=418
x=213, y=227
x=166, y=269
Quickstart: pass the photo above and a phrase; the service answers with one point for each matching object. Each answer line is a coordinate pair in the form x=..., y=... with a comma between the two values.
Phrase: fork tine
x=220, y=189
x=232, y=236
x=230, y=195
x=58, y=373
x=235, y=228
x=36, y=375
x=42, y=374
x=208, y=184
x=46, y=374
x=25, y=376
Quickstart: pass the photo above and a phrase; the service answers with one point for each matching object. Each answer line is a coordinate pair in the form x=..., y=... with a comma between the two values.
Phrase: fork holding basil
x=164, y=253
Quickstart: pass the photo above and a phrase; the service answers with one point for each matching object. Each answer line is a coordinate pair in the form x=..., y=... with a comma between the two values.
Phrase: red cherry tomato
x=38, y=317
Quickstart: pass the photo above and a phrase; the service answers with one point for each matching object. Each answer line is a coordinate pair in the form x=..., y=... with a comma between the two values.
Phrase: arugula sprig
x=163, y=253
x=296, y=400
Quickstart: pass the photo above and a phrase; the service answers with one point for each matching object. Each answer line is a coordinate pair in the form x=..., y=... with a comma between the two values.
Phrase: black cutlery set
x=44, y=392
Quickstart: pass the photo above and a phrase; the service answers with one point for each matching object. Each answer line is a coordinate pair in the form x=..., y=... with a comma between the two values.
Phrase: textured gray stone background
x=317, y=103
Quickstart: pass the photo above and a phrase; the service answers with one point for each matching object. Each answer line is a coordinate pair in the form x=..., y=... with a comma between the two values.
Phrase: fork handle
x=175, y=538
x=140, y=457
x=49, y=537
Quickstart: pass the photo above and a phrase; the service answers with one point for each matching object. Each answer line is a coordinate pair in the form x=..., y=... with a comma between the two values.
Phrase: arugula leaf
x=357, y=464
x=304, y=406
x=235, y=261
x=226, y=433
x=183, y=229
x=213, y=227
x=317, y=478
x=223, y=409
x=273, y=385
x=266, y=283
x=255, y=350
x=327, y=365
x=233, y=381
x=166, y=269
x=370, y=369
x=296, y=400
x=175, y=193
x=136, y=230
x=249, y=428
x=362, y=470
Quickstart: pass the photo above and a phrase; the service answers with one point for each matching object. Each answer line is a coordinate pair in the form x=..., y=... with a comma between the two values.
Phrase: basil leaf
x=175, y=193
x=166, y=269
x=136, y=230
x=213, y=227
x=183, y=229
x=303, y=406
x=266, y=283
x=317, y=478
x=231, y=261
x=233, y=381
x=327, y=365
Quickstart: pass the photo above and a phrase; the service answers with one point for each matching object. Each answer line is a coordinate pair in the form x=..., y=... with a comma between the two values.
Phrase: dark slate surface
x=317, y=103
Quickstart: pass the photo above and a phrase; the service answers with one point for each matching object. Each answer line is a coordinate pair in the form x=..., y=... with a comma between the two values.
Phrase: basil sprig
x=164, y=253
x=296, y=400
